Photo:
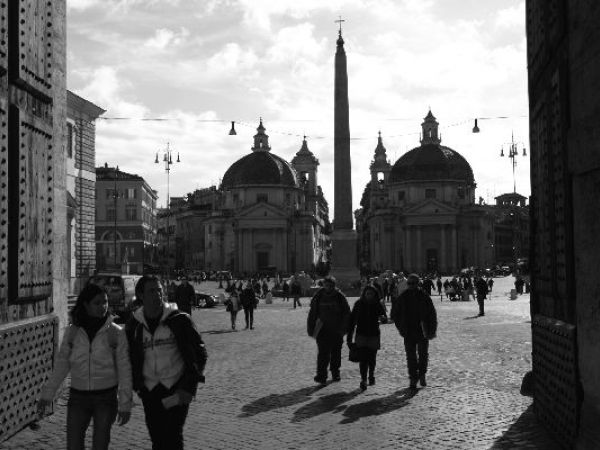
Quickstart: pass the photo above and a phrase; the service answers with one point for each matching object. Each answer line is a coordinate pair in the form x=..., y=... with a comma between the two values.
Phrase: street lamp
x=513, y=152
x=168, y=160
x=115, y=196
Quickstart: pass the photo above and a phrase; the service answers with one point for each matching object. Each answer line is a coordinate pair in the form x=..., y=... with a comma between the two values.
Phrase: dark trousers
x=296, y=300
x=481, y=302
x=81, y=408
x=417, y=356
x=249, y=316
x=329, y=344
x=165, y=426
x=367, y=365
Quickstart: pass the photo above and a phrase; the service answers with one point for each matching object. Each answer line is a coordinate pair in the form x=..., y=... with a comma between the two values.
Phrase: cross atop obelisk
x=340, y=20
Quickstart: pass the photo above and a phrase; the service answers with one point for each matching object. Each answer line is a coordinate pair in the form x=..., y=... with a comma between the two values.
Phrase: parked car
x=120, y=290
x=204, y=300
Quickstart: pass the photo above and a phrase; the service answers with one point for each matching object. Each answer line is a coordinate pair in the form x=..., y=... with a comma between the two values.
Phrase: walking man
x=415, y=318
x=249, y=302
x=185, y=296
x=327, y=322
x=295, y=290
x=481, y=288
x=167, y=363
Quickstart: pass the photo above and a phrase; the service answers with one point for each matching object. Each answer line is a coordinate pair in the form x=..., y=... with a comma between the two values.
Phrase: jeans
x=249, y=316
x=481, y=302
x=81, y=408
x=165, y=426
x=329, y=344
x=233, y=318
x=417, y=366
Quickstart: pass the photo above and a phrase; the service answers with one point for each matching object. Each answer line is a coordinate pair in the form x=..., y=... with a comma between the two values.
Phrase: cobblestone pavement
x=260, y=393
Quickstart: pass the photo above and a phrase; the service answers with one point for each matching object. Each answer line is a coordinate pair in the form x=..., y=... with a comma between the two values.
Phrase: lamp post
x=115, y=196
x=513, y=152
x=168, y=161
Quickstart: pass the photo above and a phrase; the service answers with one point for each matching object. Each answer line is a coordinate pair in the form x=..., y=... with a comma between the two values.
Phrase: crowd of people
x=160, y=355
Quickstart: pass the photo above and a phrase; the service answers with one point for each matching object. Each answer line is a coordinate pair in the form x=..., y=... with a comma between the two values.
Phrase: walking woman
x=364, y=319
x=234, y=306
x=94, y=350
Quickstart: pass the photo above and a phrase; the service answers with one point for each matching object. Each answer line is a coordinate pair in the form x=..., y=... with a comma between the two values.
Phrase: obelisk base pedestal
x=344, y=265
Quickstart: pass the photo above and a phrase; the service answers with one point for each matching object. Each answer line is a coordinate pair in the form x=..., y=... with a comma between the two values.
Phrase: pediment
x=431, y=207
x=261, y=210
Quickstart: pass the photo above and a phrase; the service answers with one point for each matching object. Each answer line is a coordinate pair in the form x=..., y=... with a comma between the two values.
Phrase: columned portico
x=418, y=263
x=453, y=263
x=443, y=262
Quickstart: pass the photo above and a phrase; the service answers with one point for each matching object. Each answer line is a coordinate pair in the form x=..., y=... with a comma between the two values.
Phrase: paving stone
x=260, y=393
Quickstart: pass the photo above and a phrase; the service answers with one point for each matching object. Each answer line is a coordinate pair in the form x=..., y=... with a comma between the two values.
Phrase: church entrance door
x=432, y=260
x=262, y=259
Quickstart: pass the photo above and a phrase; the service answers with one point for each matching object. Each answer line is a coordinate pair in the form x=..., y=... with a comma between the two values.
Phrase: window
x=130, y=214
x=288, y=198
x=70, y=138
x=262, y=197
x=109, y=193
x=461, y=192
x=131, y=193
x=110, y=214
x=236, y=199
x=401, y=196
x=429, y=193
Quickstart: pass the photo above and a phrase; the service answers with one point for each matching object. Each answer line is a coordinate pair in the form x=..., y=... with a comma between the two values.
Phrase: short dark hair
x=370, y=288
x=78, y=313
x=329, y=279
x=141, y=284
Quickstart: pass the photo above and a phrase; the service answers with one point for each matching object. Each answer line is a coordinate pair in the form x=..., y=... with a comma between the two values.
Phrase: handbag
x=356, y=354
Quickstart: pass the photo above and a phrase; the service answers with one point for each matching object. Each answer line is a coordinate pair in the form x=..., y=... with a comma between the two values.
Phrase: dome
x=260, y=168
x=431, y=161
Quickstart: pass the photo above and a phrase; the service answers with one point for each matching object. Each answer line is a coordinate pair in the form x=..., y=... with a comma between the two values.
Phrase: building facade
x=267, y=214
x=420, y=214
x=126, y=223
x=33, y=202
x=81, y=189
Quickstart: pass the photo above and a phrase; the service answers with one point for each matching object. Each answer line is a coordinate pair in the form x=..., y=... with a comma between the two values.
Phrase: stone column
x=408, y=247
x=419, y=255
x=453, y=244
x=442, y=266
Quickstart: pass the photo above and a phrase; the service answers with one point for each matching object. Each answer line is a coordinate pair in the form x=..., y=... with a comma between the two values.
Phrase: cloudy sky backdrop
x=200, y=64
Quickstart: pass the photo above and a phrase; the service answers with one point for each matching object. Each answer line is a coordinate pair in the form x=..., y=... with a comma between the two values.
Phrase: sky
x=197, y=65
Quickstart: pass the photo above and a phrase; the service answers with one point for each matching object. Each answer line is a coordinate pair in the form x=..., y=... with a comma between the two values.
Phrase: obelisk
x=343, y=239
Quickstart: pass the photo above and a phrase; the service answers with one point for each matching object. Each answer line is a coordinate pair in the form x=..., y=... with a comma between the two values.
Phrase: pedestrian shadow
x=472, y=317
x=378, y=406
x=218, y=331
x=322, y=405
x=526, y=432
x=275, y=401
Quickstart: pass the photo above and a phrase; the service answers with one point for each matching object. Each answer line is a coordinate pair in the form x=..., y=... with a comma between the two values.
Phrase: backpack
x=189, y=343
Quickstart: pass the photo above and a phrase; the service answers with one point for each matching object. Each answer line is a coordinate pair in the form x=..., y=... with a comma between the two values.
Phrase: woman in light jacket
x=95, y=351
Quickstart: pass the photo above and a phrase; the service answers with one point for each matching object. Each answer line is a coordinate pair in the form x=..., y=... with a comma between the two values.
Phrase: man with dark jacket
x=328, y=321
x=249, y=302
x=167, y=363
x=481, y=288
x=185, y=296
x=416, y=320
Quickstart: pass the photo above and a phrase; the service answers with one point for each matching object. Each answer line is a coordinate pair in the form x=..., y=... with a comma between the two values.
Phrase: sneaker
x=371, y=381
x=320, y=380
x=422, y=381
x=336, y=377
x=363, y=385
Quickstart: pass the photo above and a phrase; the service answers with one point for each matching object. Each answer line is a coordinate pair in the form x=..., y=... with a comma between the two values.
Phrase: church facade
x=267, y=215
x=420, y=214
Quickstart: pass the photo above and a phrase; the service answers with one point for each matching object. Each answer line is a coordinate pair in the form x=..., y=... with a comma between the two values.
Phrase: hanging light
x=232, y=131
x=475, y=128
x=170, y=159
x=502, y=151
x=178, y=157
x=156, y=160
x=524, y=152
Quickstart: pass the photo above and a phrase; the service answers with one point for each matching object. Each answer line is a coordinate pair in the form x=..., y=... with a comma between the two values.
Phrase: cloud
x=164, y=38
x=513, y=16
